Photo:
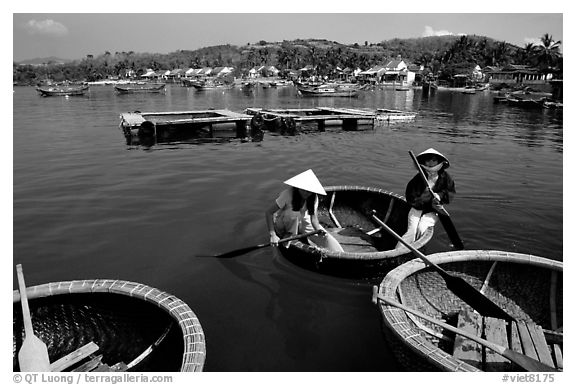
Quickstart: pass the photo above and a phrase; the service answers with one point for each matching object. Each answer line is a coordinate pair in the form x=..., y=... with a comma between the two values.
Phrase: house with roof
x=396, y=71
x=174, y=75
x=255, y=72
x=372, y=75
x=514, y=74
x=149, y=73
x=222, y=71
x=418, y=72
x=347, y=74
x=307, y=71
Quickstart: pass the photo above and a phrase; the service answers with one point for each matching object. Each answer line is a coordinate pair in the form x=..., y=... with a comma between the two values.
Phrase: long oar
x=456, y=285
x=521, y=360
x=442, y=213
x=33, y=355
x=235, y=253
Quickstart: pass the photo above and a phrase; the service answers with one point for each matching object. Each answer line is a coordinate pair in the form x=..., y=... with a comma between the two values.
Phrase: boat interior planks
x=520, y=336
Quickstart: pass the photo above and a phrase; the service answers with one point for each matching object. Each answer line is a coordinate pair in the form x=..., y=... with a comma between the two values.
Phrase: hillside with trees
x=444, y=56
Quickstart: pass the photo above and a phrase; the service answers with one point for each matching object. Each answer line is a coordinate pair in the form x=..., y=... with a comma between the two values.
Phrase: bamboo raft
x=111, y=325
x=207, y=125
x=527, y=287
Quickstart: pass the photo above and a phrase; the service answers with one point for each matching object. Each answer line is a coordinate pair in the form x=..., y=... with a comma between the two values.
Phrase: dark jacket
x=418, y=197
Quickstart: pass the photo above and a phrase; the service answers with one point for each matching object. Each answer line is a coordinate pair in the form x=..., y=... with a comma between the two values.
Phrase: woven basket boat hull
x=525, y=286
x=352, y=207
x=123, y=318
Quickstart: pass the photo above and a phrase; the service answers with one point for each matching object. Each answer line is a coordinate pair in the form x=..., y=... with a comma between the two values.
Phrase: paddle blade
x=237, y=252
x=451, y=231
x=474, y=298
x=33, y=355
x=527, y=363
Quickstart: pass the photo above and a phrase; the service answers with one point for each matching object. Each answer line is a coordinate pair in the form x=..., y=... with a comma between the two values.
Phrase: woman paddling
x=295, y=212
x=425, y=204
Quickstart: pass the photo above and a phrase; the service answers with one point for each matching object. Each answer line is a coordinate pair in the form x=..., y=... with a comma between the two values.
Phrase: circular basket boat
x=136, y=326
x=527, y=287
x=346, y=212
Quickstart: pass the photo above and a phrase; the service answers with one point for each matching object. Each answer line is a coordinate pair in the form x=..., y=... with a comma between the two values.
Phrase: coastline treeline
x=444, y=56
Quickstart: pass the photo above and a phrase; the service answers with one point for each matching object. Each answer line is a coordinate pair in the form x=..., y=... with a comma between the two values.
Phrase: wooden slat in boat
x=558, y=356
x=353, y=240
x=495, y=331
x=540, y=344
x=464, y=348
x=74, y=357
x=526, y=340
x=515, y=343
x=90, y=365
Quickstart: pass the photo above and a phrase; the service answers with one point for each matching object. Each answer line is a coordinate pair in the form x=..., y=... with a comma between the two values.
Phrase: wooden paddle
x=235, y=253
x=33, y=355
x=456, y=285
x=150, y=348
x=442, y=213
x=521, y=360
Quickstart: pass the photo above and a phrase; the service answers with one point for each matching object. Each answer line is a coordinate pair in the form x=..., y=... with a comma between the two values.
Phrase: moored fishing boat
x=211, y=85
x=346, y=212
x=333, y=91
x=527, y=287
x=137, y=88
x=130, y=325
x=63, y=90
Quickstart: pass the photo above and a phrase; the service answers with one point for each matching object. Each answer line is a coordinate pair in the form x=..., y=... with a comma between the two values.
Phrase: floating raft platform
x=176, y=125
x=292, y=120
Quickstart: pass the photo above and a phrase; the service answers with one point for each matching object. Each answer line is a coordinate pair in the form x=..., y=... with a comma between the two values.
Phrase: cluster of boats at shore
x=520, y=98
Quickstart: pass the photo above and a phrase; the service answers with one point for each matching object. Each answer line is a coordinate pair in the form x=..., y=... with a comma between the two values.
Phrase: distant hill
x=44, y=60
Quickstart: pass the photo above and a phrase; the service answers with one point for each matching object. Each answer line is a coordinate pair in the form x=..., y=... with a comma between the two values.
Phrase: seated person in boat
x=295, y=212
x=425, y=204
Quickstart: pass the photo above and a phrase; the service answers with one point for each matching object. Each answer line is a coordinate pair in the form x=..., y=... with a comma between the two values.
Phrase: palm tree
x=529, y=53
x=549, y=53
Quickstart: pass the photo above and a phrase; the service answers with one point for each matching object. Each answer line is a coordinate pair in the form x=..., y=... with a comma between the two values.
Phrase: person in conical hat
x=295, y=212
x=424, y=204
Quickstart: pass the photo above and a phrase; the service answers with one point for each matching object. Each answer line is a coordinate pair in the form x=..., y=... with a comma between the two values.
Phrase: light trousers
x=417, y=225
x=287, y=225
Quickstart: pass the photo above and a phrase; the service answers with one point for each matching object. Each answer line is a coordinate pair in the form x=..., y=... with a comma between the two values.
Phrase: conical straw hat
x=432, y=151
x=306, y=181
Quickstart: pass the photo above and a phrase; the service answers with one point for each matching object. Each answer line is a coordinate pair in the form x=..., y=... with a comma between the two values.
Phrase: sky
x=94, y=31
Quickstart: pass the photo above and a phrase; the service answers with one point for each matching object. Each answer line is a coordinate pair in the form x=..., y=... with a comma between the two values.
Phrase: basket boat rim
x=194, y=354
x=397, y=322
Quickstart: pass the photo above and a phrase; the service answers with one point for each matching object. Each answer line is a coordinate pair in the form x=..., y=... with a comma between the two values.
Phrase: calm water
x=88, y=206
